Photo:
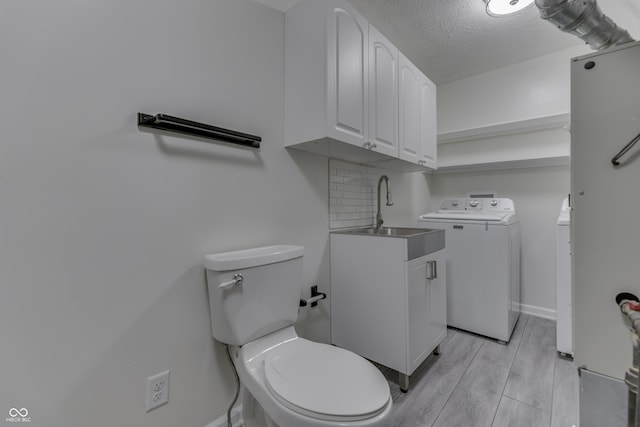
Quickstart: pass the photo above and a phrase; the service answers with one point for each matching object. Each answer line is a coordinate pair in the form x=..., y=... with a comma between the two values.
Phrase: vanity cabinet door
x=426, y=306
x=438, y=300
x=417, y=312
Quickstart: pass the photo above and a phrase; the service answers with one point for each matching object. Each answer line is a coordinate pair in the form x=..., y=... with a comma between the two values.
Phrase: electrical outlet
x=157, y=391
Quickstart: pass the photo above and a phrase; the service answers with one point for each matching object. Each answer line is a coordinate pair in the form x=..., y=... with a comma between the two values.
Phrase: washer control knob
x=473, y=203
x=454, y=203
x=494, y=203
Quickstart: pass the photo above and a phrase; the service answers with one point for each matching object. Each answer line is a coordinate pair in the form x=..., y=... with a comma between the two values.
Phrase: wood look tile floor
x=476, y=381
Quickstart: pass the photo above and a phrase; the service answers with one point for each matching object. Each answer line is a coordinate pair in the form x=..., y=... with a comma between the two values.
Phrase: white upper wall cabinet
x=342, y=89
x=347, y=78
x=418, y=142
x=409, y=110
x=428, y=124
x=383, y=93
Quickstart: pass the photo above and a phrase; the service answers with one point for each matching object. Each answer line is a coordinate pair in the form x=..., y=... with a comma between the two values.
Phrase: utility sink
x=420, y=241
x=390, y=231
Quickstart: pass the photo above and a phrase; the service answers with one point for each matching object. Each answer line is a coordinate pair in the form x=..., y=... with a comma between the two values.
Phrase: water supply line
x=583, y=18
x=630, y=307
x=235, y=398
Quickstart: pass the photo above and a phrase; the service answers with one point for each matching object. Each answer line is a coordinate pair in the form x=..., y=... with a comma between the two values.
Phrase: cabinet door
x=428, y=133
x=438, y=301
x=347, y=79
x=418, y=341
x=383, y=94
x=409, y=110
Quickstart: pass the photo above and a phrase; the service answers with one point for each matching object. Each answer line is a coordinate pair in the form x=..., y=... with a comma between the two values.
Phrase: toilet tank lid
x=246, y=258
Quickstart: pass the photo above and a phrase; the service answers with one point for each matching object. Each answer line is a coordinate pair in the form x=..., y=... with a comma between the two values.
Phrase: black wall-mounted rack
x=188, y=127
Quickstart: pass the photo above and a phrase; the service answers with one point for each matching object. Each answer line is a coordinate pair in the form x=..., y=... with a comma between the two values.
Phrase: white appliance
x=482, y=237
x=564, y=340
x=605, y=199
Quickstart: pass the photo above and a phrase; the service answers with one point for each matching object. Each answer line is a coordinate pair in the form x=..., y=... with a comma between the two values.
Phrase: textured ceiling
x=453, y=39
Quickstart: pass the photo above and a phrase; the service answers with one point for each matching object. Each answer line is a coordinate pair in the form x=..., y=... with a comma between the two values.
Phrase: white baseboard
x=534, y=310
x=236, y=419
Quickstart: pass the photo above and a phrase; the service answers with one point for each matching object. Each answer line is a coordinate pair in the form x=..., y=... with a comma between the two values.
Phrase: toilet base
x=253, y=415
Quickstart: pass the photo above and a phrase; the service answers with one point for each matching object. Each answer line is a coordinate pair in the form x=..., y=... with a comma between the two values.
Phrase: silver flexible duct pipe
x=584, y=19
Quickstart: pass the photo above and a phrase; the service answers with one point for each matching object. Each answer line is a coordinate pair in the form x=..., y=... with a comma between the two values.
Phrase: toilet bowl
x=303, y=383
x=288, y=381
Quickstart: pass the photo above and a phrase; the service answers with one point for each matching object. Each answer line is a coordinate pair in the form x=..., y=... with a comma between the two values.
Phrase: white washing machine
x=564, y=338
x=482, y=237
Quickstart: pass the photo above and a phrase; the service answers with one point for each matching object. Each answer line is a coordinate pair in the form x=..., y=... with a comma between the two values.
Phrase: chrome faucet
x=379, y=220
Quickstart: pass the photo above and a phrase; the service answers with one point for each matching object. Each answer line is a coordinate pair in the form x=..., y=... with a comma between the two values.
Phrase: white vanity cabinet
x=386, y=305
x=342, y=88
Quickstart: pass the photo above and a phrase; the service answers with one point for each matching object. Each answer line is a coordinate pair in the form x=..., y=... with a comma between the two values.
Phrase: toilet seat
x=325, y=382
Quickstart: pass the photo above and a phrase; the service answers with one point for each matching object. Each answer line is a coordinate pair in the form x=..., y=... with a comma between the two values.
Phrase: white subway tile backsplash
x=351, y=194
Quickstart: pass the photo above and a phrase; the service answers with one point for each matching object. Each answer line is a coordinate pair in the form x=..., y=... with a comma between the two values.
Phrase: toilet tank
x=266, y=300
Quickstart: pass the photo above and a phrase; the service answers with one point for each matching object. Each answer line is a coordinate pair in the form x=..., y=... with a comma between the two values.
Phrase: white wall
x=103, y=226
x=536, y=88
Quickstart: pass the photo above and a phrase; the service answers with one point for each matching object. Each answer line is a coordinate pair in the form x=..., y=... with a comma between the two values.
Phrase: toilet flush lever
x=237, y=280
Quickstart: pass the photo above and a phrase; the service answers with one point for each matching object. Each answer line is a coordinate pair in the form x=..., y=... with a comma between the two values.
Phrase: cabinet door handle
x=432, y=270
x=370, y=145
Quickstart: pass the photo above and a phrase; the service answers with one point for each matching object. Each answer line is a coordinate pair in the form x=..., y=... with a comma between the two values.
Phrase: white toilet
x=288, y=381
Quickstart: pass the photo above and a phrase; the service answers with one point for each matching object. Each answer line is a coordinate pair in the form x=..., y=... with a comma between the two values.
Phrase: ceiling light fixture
x=505, y=7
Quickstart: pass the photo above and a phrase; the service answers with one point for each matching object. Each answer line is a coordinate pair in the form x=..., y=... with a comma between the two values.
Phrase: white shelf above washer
x=510, y=164
x=556, y=121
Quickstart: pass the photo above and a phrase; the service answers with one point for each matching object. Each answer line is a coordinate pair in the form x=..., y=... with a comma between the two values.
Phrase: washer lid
x=326, y=382
x=466, y=216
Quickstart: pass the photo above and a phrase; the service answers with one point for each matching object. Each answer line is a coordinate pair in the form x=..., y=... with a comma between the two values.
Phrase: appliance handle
x=625, y=149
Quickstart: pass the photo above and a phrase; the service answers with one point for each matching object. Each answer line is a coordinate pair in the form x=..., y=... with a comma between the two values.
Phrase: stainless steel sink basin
x=420, y=241
x=389, y=231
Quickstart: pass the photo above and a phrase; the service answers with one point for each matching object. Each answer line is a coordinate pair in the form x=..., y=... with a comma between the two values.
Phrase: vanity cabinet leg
x=403, y=382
